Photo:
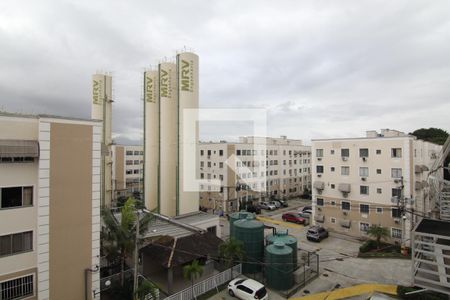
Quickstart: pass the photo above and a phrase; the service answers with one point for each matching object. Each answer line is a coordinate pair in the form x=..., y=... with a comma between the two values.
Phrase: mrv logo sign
x=165, y=83
x=187, y=76
x=97, y=91
x=149, y=88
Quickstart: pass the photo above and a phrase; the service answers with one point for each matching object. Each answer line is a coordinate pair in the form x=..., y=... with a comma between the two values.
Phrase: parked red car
x=293, y=217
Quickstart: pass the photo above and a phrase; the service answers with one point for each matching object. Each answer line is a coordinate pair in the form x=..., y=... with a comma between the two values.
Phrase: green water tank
x=279, y=269
x=288, y=240
x=251, y=233
x=238, y=216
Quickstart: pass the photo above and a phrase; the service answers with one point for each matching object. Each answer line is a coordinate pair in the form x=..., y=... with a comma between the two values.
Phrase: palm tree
x=191, y=272
x=119, y=237
x=378, y=232
x=231, y=251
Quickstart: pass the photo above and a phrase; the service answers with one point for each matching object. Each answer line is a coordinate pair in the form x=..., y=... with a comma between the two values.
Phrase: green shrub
x=367, y=246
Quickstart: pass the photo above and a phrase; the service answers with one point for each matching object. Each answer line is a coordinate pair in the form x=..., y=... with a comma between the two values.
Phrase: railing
x=207, y=284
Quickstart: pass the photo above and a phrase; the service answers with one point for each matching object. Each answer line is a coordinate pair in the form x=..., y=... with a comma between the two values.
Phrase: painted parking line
x=353, y=291
x=277, y=222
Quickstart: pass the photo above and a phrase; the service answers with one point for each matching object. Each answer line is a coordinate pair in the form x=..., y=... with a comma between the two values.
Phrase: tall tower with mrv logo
x=170, y=94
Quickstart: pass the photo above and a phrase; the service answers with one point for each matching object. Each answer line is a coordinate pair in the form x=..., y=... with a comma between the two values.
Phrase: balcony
x=431, y=255
x=344, y=187
x=319, y=185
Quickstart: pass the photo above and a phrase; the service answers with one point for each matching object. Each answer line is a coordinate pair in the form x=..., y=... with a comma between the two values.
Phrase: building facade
x=379, y=179
x=127, y=170
x=50, y=207
x=268, y=167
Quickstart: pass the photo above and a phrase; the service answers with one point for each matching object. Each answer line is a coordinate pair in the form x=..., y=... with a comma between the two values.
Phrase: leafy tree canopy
x=433, y=135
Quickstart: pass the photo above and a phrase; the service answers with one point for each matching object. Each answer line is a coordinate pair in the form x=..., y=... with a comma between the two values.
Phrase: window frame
x=346, y=202
x=31, y=186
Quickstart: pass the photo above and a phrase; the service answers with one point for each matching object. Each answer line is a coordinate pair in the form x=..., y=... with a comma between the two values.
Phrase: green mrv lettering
x=185, y=75
x=164, y=83
x=96, y=92
x=149, y=89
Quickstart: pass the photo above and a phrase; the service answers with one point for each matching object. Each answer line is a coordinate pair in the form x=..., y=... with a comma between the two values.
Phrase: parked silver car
x=267, y=205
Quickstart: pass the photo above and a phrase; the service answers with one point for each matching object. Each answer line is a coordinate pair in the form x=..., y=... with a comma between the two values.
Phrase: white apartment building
x=49, y=207
x=278, y=167
x=358, y=182
x=127, y=169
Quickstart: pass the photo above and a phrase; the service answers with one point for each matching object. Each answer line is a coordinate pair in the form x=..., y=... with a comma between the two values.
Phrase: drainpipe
x=86, y=275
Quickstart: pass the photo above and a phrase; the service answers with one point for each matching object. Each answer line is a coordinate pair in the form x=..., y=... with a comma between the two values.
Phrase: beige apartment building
x=127, y=170
x=358, y=182
x=49, y=207
x=278, y=167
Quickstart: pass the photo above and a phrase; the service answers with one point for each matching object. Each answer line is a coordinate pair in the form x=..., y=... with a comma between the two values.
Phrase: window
x=396, y=152
x=319, y=169
x=396, y=173
x=363, y=227
x=319, y=152
x=129, y=162
x=202, y=152
x=16, y=243
x=319, y=202
x=363, y=152
x=363, y=171
x=378, y=171
x=379, y=190
x=141, y=152
x=364, y=190
x=209, y=164
x=202, y=175
x=202, y=164
x=129, y=153
x=345, y=152
x=378, y=151
x=136, y=171
x=345, y=170
x=238, y=152
x=364, y=208
x=332, y=169
x=136, y=162
x=220, y=152
x=16, y=196
x=17, y=288
x=221, y=165
x=136, y=152
x=396, y=213
x=245, y=289
x=128, y=172
x=333, y=220
x=345, y=205
x=396, y=192
x=332, y=186
x=396, y=233
x=379, y=210
x=209, y=152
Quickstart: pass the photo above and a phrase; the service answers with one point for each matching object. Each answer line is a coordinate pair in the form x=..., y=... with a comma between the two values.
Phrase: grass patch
x=369, y=250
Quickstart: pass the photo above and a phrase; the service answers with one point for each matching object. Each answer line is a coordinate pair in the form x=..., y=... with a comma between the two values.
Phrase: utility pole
x=136, y=258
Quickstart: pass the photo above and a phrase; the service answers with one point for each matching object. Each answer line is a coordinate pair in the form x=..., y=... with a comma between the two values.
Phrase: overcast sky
x=321, y=68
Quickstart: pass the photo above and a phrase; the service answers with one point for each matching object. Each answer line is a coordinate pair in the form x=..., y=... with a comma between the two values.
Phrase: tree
x=192, y=271
x=231, y=251
x=119, y=237
x=433, y=135
x=379, y=233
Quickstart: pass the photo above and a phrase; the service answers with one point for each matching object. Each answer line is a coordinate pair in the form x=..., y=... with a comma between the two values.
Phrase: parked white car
x=267, y=205
x=247, y=289
x=275, y=203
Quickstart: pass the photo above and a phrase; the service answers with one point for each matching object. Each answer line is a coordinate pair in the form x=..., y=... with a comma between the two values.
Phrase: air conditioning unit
x=319, y=158
x=345, y=195
x=319, y=209
x=344, y=158
x=363, y=178
x=397, y=221
x=397, y=181
x=319, y=175
x=364, y=158
x=344, y=213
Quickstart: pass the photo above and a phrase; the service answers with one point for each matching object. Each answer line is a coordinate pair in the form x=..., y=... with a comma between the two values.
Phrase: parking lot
x=339, y=266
